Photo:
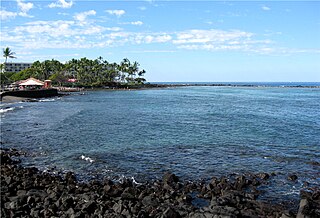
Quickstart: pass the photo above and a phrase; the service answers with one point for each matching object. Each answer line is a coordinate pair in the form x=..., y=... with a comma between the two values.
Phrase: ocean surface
x=194, y=132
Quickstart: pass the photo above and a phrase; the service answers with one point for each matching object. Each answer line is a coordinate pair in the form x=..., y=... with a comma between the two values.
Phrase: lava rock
x=263, y=176
x=170, y=178
x=170, y=213
x=292, y=177
x=29, y=192
x=150, y=200
x=89, y=207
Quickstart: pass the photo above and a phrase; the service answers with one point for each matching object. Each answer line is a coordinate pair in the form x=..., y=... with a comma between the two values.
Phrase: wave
x=7, y=109
x=123, y=178
x=47, y=100
x=87, y=158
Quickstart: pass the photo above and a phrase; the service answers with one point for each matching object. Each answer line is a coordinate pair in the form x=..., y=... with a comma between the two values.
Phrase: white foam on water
x=47, y=100
x=88, y=159
x=107, y=170
x=122, y=178
x=4, y=110
x=134, y=181
x=293, y=191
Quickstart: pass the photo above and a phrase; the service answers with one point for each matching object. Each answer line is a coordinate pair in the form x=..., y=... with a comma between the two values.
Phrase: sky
x=174, y=41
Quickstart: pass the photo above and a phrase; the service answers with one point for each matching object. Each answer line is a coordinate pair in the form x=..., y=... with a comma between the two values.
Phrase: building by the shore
x=28, y=84
x=16, y=67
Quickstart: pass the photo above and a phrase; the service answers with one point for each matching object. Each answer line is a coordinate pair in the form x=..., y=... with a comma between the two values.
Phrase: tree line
x=83, y=72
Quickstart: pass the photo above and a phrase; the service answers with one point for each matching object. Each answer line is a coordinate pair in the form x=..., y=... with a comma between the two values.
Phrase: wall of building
x=16, y=67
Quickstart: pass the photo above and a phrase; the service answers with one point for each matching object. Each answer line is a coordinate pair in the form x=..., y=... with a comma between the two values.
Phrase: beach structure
x=31, y=84
x=31, y=88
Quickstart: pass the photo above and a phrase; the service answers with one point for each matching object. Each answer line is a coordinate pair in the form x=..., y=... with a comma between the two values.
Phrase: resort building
x=16, y=67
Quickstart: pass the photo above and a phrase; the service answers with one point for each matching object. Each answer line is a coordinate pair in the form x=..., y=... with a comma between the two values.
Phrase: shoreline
x=164, y=85
x=28, y=191
x=12, y=99
x=239, y=85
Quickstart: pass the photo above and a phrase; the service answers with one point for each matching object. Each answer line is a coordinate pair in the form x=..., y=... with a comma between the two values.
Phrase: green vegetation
x=7, y=53
x=85, y=72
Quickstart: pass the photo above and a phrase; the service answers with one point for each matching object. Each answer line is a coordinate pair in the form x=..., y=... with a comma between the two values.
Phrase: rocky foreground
x=27, y=192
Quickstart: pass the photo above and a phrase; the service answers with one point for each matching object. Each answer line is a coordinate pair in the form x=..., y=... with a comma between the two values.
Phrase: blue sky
x=205, y=41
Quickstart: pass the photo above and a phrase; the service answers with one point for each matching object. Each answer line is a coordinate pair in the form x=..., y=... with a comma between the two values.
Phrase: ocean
x=195, y=132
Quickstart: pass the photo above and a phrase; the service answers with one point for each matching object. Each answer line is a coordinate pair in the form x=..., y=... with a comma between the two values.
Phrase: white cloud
x=81, y=17
x=163, y=38
x=46, y=28
x=152, y=51
x=7, y=14
x=63, y=14
x=209, y=36
x=24, y=8
x=114, y=29
x=61, y=4
x=93, y=30
x=69, y=34
x=142, y=8
x=139, y=38
x=137, y=23
x=149, y=39
x=213, y=47
x=118, y=13
x=265, y=8
x=221, y=40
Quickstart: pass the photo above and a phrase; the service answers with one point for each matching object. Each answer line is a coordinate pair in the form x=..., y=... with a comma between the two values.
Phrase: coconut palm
x=1, y=68
x=7, y=53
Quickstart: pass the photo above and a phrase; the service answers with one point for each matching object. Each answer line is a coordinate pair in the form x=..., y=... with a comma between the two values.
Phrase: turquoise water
x=195, y=132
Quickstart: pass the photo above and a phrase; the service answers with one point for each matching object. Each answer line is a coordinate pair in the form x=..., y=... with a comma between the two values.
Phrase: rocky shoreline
x=28, y=192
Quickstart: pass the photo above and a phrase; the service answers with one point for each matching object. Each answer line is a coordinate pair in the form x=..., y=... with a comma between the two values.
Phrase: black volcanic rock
x=263, y=176
x=27, y=192
x=292, y=177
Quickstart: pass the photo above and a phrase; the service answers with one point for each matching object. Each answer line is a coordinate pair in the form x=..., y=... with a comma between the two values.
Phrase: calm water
x=195, y=132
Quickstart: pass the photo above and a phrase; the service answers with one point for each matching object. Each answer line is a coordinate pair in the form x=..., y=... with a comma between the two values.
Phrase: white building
x=16, y=67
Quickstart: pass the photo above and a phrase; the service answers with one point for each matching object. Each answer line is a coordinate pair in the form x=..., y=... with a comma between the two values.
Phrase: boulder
x=170, y=213
x=128, y=193
x=170, y=178
x=150, y=200
x=118, y=207
x=302, y=208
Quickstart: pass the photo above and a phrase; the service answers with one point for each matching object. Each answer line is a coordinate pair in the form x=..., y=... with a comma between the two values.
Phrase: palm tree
x=7, y=53
x=1, y=68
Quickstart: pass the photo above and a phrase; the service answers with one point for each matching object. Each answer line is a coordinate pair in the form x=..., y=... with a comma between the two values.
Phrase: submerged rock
x=263, y=176
x=314, y=163
x=292, y=177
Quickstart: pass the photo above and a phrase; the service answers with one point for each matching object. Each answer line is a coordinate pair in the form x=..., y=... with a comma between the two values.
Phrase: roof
x=31, y=82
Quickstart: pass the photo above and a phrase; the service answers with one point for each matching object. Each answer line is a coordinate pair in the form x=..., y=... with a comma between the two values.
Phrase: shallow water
x=195, y=132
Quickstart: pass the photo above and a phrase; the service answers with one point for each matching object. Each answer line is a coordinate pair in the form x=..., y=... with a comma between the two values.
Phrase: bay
x=194, y=132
